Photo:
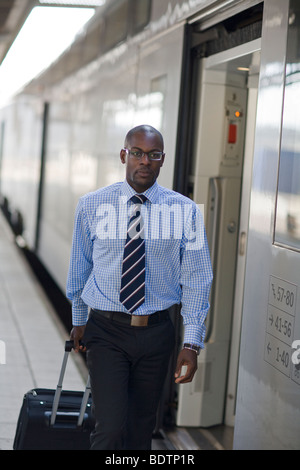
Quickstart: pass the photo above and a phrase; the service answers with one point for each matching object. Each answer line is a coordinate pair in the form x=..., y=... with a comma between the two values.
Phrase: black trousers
x=127, y=366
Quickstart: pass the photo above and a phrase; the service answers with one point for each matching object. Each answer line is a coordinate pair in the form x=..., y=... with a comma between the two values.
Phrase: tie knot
x=138, y=199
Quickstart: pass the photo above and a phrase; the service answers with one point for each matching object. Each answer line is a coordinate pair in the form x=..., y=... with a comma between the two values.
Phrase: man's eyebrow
x=153, y=150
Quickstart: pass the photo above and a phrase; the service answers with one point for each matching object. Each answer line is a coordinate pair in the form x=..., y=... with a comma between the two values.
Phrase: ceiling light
x=77, y=3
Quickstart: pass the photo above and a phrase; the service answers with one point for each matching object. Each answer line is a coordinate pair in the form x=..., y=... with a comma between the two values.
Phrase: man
x=129, y=280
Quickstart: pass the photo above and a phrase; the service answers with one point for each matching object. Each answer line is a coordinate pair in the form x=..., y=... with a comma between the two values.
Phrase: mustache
x=144, y=169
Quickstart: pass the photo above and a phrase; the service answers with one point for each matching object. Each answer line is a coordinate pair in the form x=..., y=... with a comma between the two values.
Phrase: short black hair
x=146, y=129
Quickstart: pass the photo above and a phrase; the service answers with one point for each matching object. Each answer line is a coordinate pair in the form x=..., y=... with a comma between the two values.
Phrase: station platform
x=31, y=338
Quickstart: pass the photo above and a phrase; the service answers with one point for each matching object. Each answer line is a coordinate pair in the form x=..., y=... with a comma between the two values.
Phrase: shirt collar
x=151, y=193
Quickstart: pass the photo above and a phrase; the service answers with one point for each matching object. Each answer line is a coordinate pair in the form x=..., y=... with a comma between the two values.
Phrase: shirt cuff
x=194, y=334
x=79, y=315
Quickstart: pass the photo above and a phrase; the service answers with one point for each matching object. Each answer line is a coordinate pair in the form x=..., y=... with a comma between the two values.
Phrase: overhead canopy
x=13, y=14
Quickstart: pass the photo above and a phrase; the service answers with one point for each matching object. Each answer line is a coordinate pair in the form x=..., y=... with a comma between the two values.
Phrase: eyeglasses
x=138, y=154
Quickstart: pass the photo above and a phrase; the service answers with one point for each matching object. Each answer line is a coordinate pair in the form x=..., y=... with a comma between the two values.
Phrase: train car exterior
x=220, y=80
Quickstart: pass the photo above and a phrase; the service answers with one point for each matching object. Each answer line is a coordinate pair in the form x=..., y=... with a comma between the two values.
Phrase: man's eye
x=136, y=154
x=154, y=155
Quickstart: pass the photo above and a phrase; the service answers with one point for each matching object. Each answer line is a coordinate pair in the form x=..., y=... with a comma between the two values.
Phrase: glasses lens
x=139, y=154
x=155, y=155
x=136, y=154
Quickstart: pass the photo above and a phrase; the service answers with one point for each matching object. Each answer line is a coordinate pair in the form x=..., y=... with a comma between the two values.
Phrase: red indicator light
x=232, y=133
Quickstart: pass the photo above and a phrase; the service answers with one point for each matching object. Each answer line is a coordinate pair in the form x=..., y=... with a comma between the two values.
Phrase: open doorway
x=225, y=116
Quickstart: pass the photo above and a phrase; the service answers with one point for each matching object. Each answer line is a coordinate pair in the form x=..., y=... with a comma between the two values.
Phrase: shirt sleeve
x=81, y=265
x=196, y=277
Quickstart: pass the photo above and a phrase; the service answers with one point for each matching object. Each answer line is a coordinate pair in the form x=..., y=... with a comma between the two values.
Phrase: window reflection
x=151, y=107
x=287, y=230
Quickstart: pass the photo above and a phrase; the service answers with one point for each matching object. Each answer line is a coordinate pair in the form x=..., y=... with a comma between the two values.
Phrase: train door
x=268, y=403
x=2, y=131
x=225, y=123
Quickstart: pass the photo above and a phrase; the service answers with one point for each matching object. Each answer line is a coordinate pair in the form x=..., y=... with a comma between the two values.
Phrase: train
x=220, y=79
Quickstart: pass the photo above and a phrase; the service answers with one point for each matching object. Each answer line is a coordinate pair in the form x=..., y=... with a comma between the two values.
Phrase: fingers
x=186, y=358
x=187, y=375
x=76, y=335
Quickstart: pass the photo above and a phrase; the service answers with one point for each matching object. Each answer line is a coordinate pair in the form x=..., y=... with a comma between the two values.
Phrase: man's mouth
x=144, y=173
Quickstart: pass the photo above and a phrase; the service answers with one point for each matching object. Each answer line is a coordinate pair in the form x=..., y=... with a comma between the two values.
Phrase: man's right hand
x=76, y=335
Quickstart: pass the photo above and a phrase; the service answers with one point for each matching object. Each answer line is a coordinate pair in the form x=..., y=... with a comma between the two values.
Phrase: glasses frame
x=130, y=153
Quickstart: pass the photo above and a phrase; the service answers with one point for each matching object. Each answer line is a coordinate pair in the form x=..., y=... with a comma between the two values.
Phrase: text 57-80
x=282, y=295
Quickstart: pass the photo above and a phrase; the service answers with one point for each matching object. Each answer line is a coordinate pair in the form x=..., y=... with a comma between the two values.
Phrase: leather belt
x=132, y=320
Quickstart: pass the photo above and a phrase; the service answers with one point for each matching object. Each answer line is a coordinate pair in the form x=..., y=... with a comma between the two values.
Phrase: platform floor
x=31, y=338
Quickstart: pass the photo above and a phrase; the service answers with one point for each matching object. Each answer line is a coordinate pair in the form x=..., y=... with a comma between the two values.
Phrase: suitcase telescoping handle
x=68, y=348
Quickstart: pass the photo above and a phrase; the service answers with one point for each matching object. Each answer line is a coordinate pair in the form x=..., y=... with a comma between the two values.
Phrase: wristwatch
x=193, y=347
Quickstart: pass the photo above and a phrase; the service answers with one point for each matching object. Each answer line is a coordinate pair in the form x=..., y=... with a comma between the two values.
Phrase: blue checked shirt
x=178, y=268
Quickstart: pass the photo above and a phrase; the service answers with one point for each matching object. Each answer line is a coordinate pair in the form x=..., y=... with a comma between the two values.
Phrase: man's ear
x=123, y=156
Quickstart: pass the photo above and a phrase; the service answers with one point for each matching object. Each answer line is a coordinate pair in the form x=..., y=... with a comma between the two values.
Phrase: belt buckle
x=139, y=320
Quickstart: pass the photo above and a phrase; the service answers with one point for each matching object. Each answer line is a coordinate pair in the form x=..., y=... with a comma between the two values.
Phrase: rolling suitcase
x=55, y=419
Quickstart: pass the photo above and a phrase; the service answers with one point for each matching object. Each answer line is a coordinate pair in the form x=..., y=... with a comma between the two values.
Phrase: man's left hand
x=188, y=358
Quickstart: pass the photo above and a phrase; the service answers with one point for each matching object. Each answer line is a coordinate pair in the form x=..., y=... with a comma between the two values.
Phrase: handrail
x=213, y=239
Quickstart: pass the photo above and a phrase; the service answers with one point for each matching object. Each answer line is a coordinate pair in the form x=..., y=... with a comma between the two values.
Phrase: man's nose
x=145, y=159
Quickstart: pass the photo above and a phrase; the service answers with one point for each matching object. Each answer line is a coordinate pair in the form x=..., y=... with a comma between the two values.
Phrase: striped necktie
x=132, y=293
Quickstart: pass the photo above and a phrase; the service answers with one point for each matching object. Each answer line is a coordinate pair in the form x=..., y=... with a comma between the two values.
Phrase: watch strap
x=192, y=347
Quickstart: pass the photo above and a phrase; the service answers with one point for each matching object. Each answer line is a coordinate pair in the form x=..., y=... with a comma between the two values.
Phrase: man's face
x=142, y=173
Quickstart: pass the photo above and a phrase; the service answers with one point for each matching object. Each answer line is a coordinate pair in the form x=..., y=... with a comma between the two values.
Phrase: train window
x=116, y=24
x=287, y=227
x=157, y=100
x=141, y=14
